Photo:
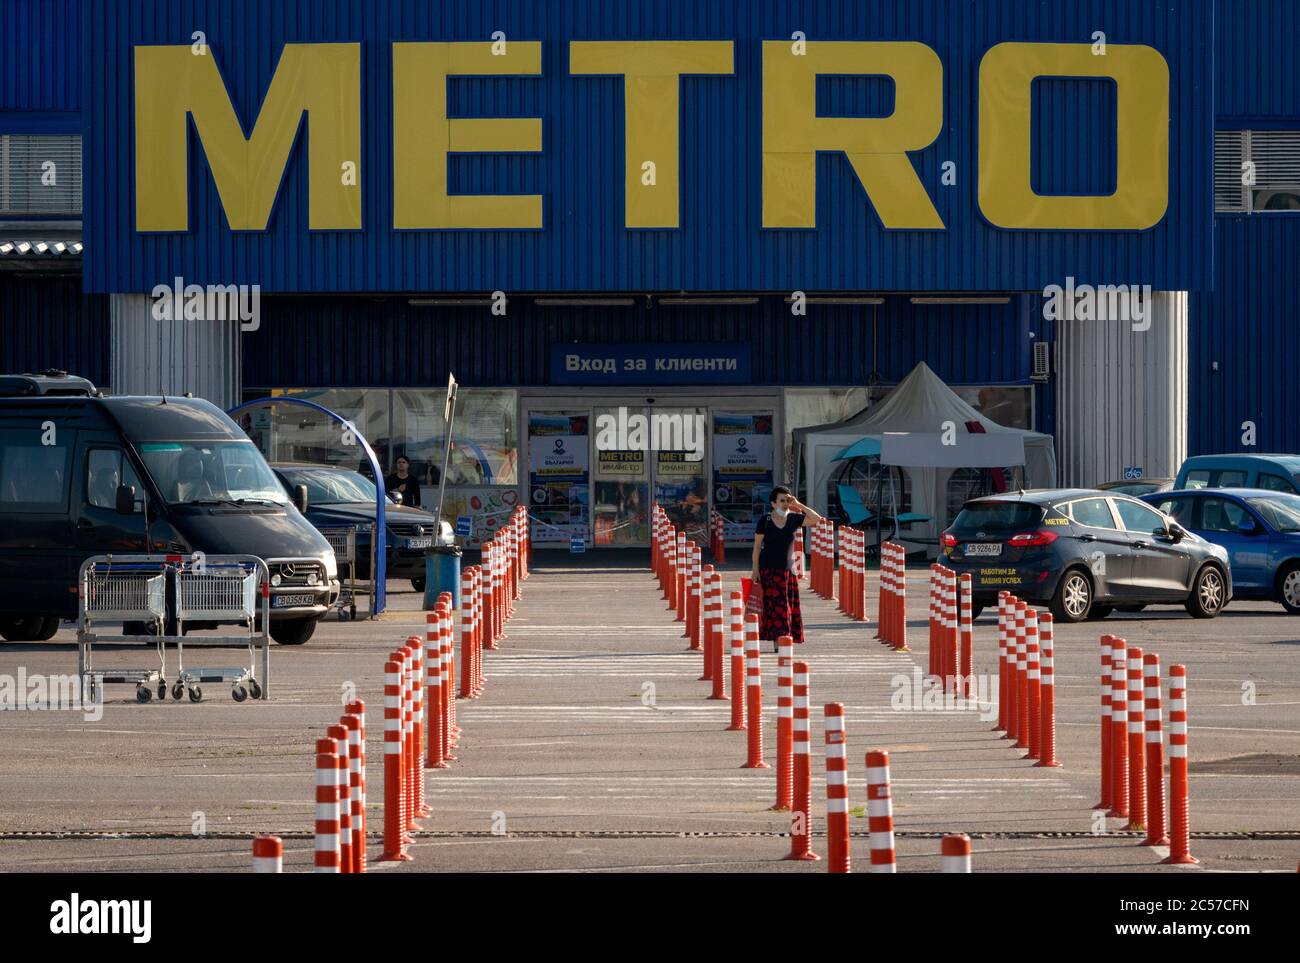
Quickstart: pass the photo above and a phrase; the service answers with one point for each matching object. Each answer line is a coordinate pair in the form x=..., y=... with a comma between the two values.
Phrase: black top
x=777, y=541
x=408, y=486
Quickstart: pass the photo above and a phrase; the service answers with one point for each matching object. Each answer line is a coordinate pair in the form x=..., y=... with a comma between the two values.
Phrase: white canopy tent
x=909, y=424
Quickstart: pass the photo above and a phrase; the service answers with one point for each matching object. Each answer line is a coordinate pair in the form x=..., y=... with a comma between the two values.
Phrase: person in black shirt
x=403, y=482
x=773, y=571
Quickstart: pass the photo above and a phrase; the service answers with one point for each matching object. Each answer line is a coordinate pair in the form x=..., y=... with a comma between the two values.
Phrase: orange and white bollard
x=1155, y=754
x=967, y=625
x=418, y=721
x=710, y=613
x=1106, y=685
x=670, y=568
x=801, y=805
x=466, y=635
x=880, y=813
x=955, y=853
x=838, y=852
x=1137, y=784
x=327, y=859
x=1002, y=662
x=339, y=734
x=449, y=675
x=1180, y=829
x=784, y=723
x=736, y=644
x=408, y=737
x=435, y=749
x=1118, y=728
x=394, y=763
x=1047, y=719
x=1034, y=680
x=951, y=630
x=754, y=695
x=898, y=575
x=355, y=720
x=693, y=629
x=683, y=577
x=1022, y=676
x=934, y=619
x=268, y=854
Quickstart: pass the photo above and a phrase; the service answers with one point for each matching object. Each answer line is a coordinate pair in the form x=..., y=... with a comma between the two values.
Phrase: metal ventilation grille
x=1042, y=361
x=1230, y=150
x=1276, y=158
x=40, y=174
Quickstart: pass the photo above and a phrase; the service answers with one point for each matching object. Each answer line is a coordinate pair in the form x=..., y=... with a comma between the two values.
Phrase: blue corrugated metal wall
x=48, y=322
x=322, y=342
x=721, y=245
x=1256, y=75
x=40, y=66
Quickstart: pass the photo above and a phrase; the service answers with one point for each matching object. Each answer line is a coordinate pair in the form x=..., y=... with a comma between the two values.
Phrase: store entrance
x=595, y=469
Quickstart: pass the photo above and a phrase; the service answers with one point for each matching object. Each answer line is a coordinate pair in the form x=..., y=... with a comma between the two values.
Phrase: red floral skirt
x=781, y=615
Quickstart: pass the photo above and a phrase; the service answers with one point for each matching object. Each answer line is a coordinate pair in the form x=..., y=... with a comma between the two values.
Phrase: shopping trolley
x=344, y=543
x=123, y=590
x=224, y=590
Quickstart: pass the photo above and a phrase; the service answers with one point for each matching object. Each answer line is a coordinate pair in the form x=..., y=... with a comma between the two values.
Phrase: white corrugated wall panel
x=152, y=356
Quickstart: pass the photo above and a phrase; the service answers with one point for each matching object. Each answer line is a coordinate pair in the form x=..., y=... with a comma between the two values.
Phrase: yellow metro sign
x=323, y=81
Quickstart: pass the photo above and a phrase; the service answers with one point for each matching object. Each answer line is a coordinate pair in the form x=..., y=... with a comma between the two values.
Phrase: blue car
x=1259, y=528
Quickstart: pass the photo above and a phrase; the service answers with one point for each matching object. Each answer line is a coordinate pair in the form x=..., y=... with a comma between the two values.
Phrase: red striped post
x=784, y=723
x=466, y=635
x=900, y=600
x=1137, y=784
x=670, y=566
x=449, y=669
x=1003, y=686
x=1022, y=676
x=883, y=605
x=880, y=813
x=966, y=667
x=1155, y=752
x=1180, y=829
x=955, y=853
x=1118, y=728
x=355, y=720
x=268, y=854
x=435, y=750
x=710, y=613
x=728, y=628
x=1106, y=685
x=394, y=764
x=1047, y=721
x=838, y=852
x=741, y=626
x=840, y=566
x=419, y=724
x=408, y=740
x=934, y=619
x=683, y=577
x=801, y=798
x=327, y=806
x=693, y=629
x=1034, y=678
x=339, y=734
x=754, y=696
x=951, y=630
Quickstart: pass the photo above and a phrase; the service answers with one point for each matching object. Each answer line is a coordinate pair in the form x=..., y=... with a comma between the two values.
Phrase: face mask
x=780, y=512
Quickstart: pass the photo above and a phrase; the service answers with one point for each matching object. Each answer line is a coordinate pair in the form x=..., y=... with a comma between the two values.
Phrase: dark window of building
x=40, y=175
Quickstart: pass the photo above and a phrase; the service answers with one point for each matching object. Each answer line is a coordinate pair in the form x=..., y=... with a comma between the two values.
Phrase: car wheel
x=1099, y=612
x=27, y=628
x=48, y=627
x=417, y=584
x=293, y=631
x=1288, y=588
x=1073, y=598
x=1206, y=599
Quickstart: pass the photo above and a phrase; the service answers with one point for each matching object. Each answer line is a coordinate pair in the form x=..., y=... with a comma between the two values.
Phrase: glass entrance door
x=621, y=470
x=681, y=464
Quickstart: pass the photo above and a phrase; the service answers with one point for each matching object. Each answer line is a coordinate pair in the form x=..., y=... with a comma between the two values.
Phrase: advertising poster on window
x=742, y=469
x=487, y=508
x=558, y=480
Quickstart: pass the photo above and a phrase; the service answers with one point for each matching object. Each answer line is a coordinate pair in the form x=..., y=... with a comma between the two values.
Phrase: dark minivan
x=82, y=474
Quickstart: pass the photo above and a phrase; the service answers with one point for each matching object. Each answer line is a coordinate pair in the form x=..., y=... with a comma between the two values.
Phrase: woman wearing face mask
x=773, y=571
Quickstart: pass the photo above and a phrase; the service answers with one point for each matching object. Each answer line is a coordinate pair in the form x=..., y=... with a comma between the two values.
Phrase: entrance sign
x=742, y=470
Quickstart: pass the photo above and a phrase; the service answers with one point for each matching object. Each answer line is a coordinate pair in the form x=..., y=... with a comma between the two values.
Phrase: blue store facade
x=785, y=207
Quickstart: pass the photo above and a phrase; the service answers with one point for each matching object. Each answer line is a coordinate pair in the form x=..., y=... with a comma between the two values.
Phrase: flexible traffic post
x=485, y=599
x=435, y=749
x=955, y=853
x=722, y=540
x=343, y=791
x=449, y=674
x=418, y=722
x=683, y=578
x=1106, y=685
x=413, y=772
x=1001, y=725
x=1047, y=719
x=934, y=619
x=1180, y=828
x=694, y=598
x=1022, y=676
x=880, y=813
x=952, y=660
x=710, y=610
x=466, y=635
x=736, y=646
x=801, y=800
x=784, y=723
x=1034, y=684
x=900, y=600
x=838, y=852
x=753, y=695
x=268, y=854
x=728, y=621
x=1118, y=728
x=327, y=807
x=499, y=585
x=355, y=720
x=670, y=568
x=394, y=764
x=1155, y=754
x=883, y=601
x=1137, y=783
x=841, y=564
x=476, y=614
x=967, y=666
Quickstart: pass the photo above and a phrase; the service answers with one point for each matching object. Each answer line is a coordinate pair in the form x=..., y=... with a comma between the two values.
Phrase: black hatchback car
x=1084, y=553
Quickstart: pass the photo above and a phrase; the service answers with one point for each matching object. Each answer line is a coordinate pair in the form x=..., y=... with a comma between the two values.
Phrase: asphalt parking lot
x=562, y=765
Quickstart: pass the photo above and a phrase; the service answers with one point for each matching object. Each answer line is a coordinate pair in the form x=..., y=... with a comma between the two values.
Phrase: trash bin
x=442, y=568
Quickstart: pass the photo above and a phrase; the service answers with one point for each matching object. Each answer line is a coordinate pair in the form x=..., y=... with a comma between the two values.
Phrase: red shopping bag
x=753, y=600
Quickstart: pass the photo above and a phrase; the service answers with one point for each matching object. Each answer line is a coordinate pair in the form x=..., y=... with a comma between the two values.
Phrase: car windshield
x=995, y=517
x=211, y=471
x=332, y=486
x=1282, y=511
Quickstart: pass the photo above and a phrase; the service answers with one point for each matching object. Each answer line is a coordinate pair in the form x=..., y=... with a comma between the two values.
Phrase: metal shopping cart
x=221, y=591
x=123, y=591
x=344, y=543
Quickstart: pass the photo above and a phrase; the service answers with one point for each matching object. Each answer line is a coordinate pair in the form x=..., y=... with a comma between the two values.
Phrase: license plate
x=984, y=548
x=287, y=601
x=419, y=542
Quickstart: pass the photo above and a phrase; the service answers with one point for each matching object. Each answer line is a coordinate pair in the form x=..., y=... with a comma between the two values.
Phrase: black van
x=82, y=474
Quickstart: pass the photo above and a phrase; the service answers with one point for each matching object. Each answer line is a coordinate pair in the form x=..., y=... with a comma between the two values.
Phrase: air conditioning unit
x=1042, y=369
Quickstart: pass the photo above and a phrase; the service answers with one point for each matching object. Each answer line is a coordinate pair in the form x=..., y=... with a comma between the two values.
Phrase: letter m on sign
x=172, y=84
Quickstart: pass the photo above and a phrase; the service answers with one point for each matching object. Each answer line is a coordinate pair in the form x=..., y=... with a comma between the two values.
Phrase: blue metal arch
x=380, y=599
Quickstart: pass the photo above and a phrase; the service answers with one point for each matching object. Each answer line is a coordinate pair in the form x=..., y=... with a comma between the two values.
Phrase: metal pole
x=446, y=456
